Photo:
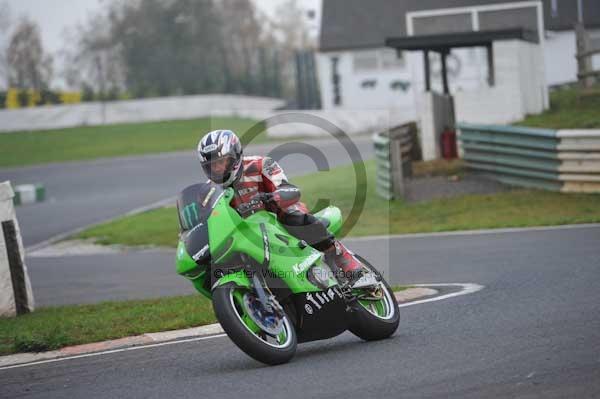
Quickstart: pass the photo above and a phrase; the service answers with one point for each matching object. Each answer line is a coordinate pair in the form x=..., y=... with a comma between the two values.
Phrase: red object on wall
x=449, y=144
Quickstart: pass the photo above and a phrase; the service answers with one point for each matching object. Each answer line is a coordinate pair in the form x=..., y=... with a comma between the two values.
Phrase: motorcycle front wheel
x=272, y=344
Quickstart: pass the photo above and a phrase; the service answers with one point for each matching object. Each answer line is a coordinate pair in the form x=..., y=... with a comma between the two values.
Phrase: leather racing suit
x=264, y=175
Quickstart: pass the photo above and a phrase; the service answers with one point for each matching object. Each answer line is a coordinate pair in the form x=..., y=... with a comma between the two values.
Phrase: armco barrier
x=393, y=155
x=136, y=111
x=560, y=160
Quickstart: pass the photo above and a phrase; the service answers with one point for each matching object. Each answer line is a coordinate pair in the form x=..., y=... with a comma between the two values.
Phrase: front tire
x=373, y=320
x=233, y=315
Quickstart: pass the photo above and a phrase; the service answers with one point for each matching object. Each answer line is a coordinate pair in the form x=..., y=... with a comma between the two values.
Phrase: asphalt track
x=81, y=193
x=533, y=331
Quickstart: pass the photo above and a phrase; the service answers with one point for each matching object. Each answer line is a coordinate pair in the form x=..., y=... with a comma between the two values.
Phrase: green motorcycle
x=270, y=290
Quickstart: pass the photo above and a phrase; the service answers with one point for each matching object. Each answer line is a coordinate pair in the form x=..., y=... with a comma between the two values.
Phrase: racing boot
x=343, y=264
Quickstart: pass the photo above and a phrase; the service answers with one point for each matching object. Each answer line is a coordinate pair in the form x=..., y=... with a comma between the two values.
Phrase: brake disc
x=268, y=321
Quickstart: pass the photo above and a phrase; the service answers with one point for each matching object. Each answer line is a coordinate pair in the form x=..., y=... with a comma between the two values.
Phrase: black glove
x=255, y=203
x=265, y=197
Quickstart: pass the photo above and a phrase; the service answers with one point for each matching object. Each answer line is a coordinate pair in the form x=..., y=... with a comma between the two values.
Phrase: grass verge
x=82, y=143
x=516, y=208
x=56, y=327
x=569, y=109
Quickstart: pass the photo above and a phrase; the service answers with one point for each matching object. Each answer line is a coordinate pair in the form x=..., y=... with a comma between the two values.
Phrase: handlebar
x=254, y=203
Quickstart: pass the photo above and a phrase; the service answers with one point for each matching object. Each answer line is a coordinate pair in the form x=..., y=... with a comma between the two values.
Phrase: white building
x=357, y=71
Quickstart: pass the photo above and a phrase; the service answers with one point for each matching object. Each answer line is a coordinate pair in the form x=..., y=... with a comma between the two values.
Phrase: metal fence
x=584, y=55
x=559, y=160
x=394, y=151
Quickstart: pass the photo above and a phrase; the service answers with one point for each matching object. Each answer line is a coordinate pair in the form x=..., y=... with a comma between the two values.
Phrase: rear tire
x=228, y=311
x=369, y=326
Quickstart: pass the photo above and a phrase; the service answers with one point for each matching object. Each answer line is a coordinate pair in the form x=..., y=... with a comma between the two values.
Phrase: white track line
x=113, y=351
x=467, y=288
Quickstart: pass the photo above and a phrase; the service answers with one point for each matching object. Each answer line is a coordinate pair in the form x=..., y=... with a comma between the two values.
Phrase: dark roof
x=462, y=39
x=352, y=24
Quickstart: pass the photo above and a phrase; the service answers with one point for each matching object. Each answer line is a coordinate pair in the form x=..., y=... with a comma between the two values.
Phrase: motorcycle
x=270, y=290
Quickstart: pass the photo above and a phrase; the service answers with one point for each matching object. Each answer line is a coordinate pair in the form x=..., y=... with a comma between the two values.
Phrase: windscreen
x=195, y=204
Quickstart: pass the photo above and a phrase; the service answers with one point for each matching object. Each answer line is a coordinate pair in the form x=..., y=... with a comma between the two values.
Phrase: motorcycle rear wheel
x=375, y=319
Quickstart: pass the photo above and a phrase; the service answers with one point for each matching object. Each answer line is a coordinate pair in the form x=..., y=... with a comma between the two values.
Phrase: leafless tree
x=5, y=25
x=241, y=40
x=160, y=47
x=28, y=66
x=92, y=57
x=288, y=31
x=290, y=26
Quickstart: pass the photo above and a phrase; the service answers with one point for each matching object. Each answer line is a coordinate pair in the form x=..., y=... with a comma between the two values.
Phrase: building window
x=369, y=84
x=594, y=41
x=373, y=60
x=402, y=85
x=391, y=59
x=365, y=61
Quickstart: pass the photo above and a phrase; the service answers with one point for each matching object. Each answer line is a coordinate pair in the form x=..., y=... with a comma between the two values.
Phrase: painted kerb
x=559, y=160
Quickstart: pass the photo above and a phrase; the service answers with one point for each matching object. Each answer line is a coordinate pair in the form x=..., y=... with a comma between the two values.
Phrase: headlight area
x=319, y=275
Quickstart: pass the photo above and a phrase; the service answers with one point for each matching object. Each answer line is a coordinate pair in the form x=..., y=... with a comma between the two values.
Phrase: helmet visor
x=218, y=169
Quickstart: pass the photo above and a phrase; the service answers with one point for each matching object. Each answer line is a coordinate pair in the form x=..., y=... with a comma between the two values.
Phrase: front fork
x=268, y=300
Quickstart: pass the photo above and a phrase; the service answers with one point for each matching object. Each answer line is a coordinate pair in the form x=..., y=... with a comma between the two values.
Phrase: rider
x=252, y=177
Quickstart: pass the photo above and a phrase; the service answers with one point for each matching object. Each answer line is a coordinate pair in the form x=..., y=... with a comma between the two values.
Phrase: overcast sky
x=54, y=16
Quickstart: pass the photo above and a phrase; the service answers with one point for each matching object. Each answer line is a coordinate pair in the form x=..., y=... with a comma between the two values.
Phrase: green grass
x=55, y=327
x=568, y=110
x=82, y=143
x=158, y=227
x=516, y=208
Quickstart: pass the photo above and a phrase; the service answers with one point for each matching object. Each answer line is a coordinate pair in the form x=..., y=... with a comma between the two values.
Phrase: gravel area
x=428, y=188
